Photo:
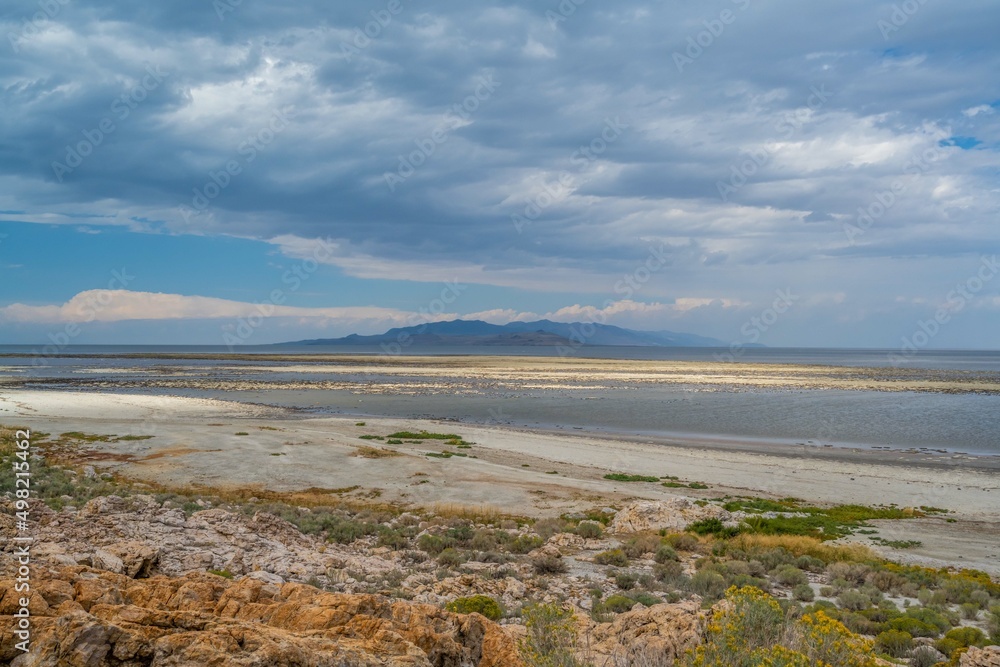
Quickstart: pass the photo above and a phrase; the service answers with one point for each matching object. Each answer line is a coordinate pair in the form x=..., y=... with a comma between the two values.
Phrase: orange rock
x=100, y=618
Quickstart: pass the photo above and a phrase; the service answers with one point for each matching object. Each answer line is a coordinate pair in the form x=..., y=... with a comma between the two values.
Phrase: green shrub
x=993, y=623
x=546, y=564
x=665, y=553
x=969, y=610
x=708, y=584
x=621, y=477
x=614, y=557
x=682, y=541
x=626, y=580
x=618, y=604
x=789, y=575
x=462, y=533
x=424, y=435
x=433, y=544
x=810, y=564
x=980, y=598
x=931, y=617
x=546, y=528
x=640, y=545
x=924, y=656
x=960, y=638
x=589, y=530
x=739, y=632
x=522, y=544
x=854, y=600
x=670, y=572
x=484, y=540
x=476, y=604
x=706, y=527
x=914, y=627
x=894, y=643
x=451, y=557
x=645, y=598
x=803, y=593
x=394, y=539
x=551, y=637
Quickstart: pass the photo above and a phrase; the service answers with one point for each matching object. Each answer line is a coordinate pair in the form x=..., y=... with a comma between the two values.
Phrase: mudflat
x=215, y=444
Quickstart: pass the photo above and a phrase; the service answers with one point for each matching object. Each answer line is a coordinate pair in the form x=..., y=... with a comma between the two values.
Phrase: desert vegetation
x=794, y=589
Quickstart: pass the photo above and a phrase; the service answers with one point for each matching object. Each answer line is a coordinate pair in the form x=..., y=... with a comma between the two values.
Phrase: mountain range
x=540, y=332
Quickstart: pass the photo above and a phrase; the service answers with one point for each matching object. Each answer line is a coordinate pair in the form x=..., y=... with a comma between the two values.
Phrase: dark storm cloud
x=701, y=87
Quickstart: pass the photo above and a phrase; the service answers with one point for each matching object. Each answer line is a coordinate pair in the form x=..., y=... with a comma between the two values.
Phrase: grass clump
x=424, y=435
x=622, y=477
x=476, y=604
x=445, y=455
x=712, y=526
x=375, y=453
x=522, y=544
x=792, y=518
x=57, y=486
x=615, y=557
x=549, y=564
x=589, y=530
x=897, y=544
x=225, y=574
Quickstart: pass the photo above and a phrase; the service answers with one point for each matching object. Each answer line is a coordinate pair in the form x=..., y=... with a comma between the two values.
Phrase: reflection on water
x=962, y=422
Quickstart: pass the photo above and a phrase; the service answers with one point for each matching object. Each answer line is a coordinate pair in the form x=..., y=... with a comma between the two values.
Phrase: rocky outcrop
x=674, y=514
x=82, y=617
x=138, y=537
x=655, y=635
x=981, y=657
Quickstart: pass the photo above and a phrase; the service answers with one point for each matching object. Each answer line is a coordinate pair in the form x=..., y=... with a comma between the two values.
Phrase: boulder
x=981, y=657
x=199, y=619
x=138, y=558
x=648, y=635
x=674, y=514
x=107, y=561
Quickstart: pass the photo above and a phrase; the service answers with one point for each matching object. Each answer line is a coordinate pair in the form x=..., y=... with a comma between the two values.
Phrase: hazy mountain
x=541, y=332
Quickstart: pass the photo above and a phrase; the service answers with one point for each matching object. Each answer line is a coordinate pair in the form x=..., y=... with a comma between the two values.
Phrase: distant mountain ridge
x=540, y=332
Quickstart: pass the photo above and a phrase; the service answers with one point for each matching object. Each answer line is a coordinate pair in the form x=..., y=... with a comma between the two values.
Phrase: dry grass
x=474, y=513
x=805, y=546
x=375, y=453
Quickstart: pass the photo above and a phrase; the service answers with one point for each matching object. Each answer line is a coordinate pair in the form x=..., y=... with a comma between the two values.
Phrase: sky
x=244, y=172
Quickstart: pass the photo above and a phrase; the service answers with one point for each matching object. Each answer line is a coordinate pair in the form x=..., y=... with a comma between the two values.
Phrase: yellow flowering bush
x=826, y=641
x=749, y=629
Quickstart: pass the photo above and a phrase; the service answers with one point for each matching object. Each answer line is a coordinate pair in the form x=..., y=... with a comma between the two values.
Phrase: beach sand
x=524, y=472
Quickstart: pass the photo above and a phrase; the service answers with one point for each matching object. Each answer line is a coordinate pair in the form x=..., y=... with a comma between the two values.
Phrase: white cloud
x=972, y=112
x=125, y=305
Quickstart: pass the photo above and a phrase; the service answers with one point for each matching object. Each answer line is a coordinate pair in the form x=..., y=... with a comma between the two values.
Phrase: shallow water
x=954, y=422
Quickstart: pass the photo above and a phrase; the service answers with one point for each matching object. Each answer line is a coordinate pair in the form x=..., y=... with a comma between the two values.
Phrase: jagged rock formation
x=674, y=514
x=981, y=657
x=82, y=617
x=664, y=632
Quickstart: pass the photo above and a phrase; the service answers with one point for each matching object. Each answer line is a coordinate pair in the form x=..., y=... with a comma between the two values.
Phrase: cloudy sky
x=185, y=171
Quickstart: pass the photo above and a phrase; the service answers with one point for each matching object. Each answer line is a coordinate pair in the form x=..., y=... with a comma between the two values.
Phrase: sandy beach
x=219, y=444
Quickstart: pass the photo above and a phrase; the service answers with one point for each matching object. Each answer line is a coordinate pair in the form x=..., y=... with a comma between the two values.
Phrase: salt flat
x=529, y=472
